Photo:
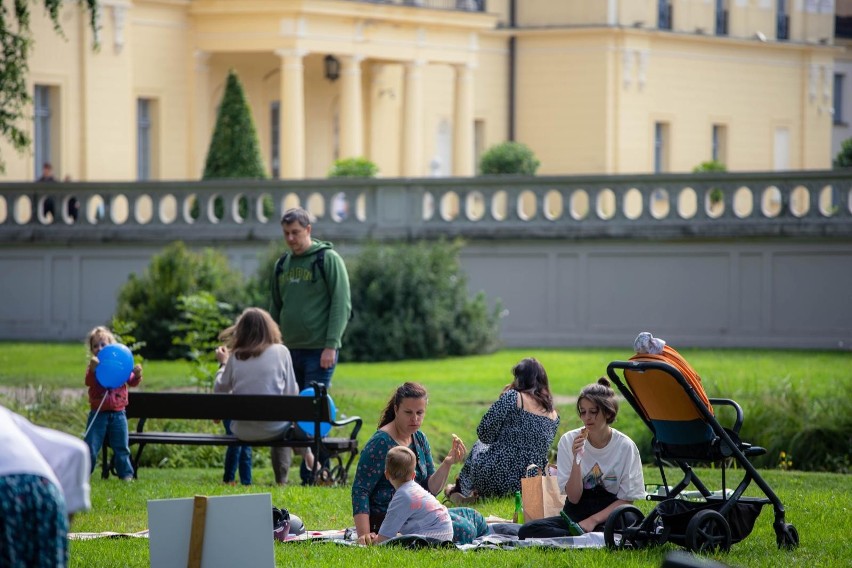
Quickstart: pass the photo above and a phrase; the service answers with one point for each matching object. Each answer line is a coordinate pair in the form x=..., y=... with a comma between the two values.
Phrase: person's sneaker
x=128, y=479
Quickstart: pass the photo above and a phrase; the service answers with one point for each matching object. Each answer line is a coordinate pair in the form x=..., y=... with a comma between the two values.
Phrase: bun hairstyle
x=601, y=395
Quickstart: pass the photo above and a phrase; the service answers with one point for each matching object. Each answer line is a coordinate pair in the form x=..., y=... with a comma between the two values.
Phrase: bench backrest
x=227, y=406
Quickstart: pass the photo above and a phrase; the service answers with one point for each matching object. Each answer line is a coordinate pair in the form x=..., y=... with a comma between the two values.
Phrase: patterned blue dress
x=510, y=439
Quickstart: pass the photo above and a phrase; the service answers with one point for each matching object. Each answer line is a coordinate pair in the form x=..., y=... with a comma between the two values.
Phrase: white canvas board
x=238, y=532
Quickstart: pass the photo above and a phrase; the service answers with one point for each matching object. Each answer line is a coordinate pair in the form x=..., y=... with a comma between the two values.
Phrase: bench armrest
x=352, y=419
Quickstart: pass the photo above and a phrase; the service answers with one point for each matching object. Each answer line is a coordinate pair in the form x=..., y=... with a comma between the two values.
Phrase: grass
x=819, y=504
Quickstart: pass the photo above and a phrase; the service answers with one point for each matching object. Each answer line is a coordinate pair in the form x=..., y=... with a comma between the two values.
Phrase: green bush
x=202, y=318
x=844, y=156
x=509, y=158
x=151, y=300
x=257, y=286
x=411, y=302
x=353, y=168
x=710, y=166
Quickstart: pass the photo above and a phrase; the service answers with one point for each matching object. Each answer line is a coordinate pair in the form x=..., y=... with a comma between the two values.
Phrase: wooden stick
x=196, y=535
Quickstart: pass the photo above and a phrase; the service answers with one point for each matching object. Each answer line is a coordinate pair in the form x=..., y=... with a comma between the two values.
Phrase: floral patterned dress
x=371, y=491
x=510, y=439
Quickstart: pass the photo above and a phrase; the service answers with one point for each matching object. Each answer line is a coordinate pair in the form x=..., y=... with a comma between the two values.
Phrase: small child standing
x=413, y=510
x=107, y=419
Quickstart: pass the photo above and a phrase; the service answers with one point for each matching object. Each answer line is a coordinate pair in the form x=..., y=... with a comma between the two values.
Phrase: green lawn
x=460, y=390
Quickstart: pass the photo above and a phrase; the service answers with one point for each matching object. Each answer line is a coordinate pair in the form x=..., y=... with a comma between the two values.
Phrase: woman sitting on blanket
x=599, y=468
x=399, y=426
x=516, y=431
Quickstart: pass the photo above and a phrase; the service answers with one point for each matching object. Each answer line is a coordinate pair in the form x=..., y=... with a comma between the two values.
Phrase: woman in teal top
x=399, y=426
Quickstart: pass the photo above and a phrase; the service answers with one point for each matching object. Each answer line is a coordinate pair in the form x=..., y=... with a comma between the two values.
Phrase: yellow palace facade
x=423, y=87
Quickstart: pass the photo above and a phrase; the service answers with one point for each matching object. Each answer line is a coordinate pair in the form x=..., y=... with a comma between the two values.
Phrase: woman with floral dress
x=516, y=431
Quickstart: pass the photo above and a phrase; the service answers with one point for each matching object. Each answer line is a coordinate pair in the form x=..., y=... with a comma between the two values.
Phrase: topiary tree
x=844, y=156
x=353, y=168
x=234, y=150
x=411, y=302
x=509, y=158
x=151, y=300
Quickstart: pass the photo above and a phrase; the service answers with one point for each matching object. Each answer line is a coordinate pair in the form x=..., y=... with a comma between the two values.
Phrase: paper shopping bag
x=540, y=494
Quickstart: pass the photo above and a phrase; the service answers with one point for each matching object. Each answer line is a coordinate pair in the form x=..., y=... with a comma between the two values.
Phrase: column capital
x=285, y=53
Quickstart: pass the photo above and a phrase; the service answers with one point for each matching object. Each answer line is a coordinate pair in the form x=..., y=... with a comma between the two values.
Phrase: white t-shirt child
x=413, y=510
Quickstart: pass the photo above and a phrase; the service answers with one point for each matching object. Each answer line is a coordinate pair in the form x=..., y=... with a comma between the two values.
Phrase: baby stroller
x=668, y=396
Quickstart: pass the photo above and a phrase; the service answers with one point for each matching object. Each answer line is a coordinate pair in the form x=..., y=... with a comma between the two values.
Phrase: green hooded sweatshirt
x=312, y=311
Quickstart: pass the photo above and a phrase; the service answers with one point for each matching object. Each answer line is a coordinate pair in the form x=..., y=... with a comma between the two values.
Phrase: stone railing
x=805, y=204
x=463, y=5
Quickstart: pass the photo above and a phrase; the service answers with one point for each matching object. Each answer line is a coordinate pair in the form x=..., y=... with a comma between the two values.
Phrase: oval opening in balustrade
x=361, y=207
x=95, y=209
x=240, y=208
x=553, y=207
x=339, y=207
x=4, y=211
x=829, y=201
x=316, y=205
x=714, y=202
x=119, y=209
x=687, y=203
x=215, y=208
x=449, y=206
x=527, y=207
x=168, y=210
x=800, y=201
x=499, y=205
x=143, y=209
x=474, y=206
x=605, y=204
x=743, y=202
x=632, y=206
x=771, y=202
x=190, y=210
x=428, y=206
x=290, y=201
x=44, y=210
x=264, y=208
x=22, y=212
x=69, y=209
x=660, y=203
x=578, y=205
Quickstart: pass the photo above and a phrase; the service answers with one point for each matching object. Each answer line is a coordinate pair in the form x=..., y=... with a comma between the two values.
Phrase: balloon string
x=92, y=421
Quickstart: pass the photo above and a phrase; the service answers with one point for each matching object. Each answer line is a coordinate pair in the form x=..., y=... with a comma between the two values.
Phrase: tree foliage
x=844, y=156
x=411, y=302
x=16, y=42
x=234, y=150
x=152, y=299
x=509, y=158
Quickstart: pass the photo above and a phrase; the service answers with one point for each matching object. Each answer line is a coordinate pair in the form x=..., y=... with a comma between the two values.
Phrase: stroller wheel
x=708, y=531
x=621, y=530
x=787, y=537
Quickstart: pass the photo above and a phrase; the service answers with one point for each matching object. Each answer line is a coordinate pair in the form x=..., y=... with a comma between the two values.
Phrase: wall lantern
x=332, y=67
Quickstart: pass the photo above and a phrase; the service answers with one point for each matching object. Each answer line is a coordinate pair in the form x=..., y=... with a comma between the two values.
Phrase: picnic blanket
x=501, y=535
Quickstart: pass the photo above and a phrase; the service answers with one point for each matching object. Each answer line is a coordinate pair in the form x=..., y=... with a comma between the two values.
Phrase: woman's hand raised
x=457, y=452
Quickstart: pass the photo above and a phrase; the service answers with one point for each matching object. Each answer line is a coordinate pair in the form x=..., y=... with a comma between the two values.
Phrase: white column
x=351, y=107
x=463, y=122
x=412, y=151
x=199, y=131
x=291, y=116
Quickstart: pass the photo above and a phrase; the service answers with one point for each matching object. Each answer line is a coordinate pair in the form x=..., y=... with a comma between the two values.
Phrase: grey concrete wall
x=773, y=268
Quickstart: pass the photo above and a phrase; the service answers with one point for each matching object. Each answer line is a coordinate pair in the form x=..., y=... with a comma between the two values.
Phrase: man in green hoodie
x=311, y=303
x=310, y=300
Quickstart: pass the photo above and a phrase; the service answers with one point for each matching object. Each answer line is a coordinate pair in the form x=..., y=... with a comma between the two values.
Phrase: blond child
x=107, y=420
x=413, y=510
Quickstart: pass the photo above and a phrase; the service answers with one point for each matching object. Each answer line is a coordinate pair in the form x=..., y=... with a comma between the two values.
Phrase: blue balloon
x=114, y=366
x=325, y=427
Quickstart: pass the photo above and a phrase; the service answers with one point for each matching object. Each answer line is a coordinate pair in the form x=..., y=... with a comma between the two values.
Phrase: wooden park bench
x=199, y=406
